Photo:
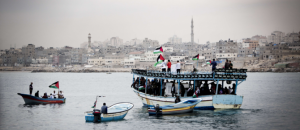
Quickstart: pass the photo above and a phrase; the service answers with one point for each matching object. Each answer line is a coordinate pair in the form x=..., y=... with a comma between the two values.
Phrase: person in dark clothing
x=30, y=88
x=234, y=88
x=45, y=95
x=104, y=109
x=173, y=90
x=37, y=94
x=226, y=65
x=205, y=88
x=213, y=64
x=182, y=89
x=230, y=65
x=177, y=99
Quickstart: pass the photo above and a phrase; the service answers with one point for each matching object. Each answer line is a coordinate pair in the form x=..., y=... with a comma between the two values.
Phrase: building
x=175, y=40
x=150, y=43
x=116, y=41
x=276, y=37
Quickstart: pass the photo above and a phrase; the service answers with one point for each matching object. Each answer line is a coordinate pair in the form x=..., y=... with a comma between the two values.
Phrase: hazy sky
x=57, y=23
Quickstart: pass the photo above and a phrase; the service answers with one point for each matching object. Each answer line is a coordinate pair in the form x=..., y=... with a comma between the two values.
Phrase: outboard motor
x=97, y=115
x=157, y=109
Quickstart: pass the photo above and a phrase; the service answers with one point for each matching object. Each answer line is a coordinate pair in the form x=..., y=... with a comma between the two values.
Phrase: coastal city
x=279, y=52
x=150, y=64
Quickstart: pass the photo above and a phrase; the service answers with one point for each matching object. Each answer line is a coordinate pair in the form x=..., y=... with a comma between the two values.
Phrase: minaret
x=89, y=40
x=192, y=34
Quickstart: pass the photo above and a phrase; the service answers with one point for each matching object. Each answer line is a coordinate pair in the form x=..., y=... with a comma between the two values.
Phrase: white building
x=226, y=55
x=175, y=40
x=116, y=41
x=168, y=48
x=177, y=58
x=276, y=37
x=150, y=43
x=129, y=63
x=96, y=61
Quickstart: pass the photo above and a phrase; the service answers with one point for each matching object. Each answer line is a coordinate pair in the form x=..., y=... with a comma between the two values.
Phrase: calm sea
x=271, y=101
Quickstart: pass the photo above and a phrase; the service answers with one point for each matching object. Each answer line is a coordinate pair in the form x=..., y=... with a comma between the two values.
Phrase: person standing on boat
x=230, y=65
x=30, y=88
x=182, y=90
x=214, y=64
x=104, y=109
x=169, y=66
x=178, y=66
x=226, y=66
x=173, y=90
x=163, y=68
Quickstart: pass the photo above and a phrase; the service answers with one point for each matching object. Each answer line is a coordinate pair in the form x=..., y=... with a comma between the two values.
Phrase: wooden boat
x=114, y=112
x=177, y=108
x=29, y=99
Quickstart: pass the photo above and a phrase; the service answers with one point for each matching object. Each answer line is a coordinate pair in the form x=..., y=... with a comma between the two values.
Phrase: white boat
x=114, y=112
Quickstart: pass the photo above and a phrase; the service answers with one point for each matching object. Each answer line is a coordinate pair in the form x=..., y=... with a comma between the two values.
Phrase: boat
x=177, y=108
x=114, y=112
x=232, y=77
x=29, y=99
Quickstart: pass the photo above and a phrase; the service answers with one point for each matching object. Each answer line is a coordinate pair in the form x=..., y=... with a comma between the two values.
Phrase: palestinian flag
x=195, y=95
x=159, y=60
x=94, y=104
x=208, y=62
x=158, y=50
x=54, y=85
x=196, y=57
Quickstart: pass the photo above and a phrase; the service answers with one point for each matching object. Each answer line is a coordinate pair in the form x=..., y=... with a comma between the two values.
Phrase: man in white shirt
x=51, y=96
x=178, y=66
x=54, y=95
x=163, y=68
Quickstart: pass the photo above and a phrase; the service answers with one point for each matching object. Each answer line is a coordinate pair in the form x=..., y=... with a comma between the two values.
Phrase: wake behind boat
x=37, y=100
x=177, y=108
x=114, y=112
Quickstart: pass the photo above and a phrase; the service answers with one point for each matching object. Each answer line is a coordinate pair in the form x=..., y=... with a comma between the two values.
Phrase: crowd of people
x=167, y=66
x=154, y=87
x=51, y=96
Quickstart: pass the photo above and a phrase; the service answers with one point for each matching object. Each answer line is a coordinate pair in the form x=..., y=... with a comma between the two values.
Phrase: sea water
x=271, y=101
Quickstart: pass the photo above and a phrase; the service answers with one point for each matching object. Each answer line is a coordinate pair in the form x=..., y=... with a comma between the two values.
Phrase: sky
x=58, y=23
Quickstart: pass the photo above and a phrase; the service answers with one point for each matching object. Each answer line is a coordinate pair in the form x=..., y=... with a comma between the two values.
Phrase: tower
x=192, y=34
x=89, y=40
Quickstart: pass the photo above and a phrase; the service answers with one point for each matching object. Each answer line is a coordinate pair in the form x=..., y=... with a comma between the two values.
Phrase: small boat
x=177, y=108
x=114, y=112
x=108, y=73
x=29, y=99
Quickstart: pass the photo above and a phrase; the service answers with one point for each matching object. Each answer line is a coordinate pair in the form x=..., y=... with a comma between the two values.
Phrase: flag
x=54, y=85
x=158, y=50
x=208, y=62
x=196, y=57
x=94, y=104
x=195, y=95
x=159, y=60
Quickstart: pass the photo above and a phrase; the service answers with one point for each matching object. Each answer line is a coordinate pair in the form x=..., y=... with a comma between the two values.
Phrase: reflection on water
x=266, y=103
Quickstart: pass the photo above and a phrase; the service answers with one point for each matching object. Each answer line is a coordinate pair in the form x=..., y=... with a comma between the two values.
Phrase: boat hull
x=28, y=99
x=227, y=101
x=150, y=100
x=115, y=112
x=89, y=117
x=231, y=102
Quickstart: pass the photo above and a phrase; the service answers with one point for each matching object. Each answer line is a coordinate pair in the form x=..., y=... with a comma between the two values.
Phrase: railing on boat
x=220, y=74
